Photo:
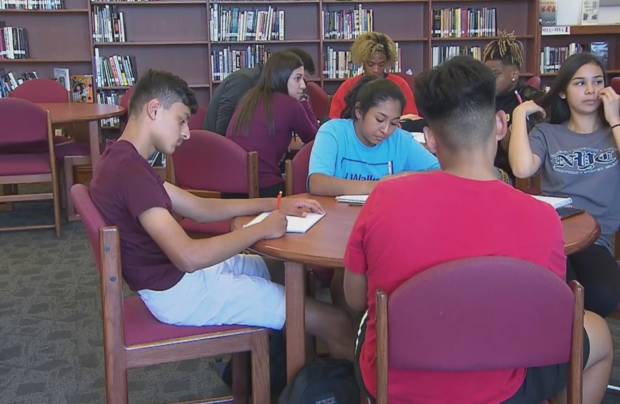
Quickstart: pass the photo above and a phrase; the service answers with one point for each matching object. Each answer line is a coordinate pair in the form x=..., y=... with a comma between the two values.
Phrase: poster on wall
x=589, y=12
x=548, y=12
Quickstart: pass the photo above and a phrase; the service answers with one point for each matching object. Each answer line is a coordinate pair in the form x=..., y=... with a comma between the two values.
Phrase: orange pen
x=278, y=200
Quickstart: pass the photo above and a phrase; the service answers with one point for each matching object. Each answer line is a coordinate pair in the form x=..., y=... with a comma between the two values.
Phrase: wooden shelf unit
x=585, y=34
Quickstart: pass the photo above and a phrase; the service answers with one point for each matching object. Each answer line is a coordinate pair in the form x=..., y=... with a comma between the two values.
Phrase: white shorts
x=237, y=291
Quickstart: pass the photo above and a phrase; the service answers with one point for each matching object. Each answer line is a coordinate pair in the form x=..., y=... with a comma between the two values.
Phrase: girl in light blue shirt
x=350, y=155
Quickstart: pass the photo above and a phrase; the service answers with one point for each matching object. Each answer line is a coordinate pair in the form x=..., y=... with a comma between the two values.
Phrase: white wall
x=569, y=13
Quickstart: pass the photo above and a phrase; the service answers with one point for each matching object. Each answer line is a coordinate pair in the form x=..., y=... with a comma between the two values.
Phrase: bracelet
x=615, y=126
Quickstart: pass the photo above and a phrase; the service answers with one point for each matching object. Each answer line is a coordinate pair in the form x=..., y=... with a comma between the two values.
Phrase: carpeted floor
x=50, y=326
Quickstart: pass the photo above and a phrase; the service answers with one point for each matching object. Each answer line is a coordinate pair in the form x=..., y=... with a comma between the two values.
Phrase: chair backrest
x=90, y=216
x=297, y=171
x=534, y=82
x=197, y=120
x=41, y=90
x=410, y=79
x=483, y=313
x=211, y=162
x=318, y=99
x=23, y=122
x=615, y=84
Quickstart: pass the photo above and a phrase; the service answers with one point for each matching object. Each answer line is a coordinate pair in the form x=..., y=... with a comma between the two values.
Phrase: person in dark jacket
x=504, y=56
x=235, y=86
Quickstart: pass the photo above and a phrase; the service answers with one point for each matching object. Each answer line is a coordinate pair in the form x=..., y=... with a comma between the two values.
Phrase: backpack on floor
x=324, y=381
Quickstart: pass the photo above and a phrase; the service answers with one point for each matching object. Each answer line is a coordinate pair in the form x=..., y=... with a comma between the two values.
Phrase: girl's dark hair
x=556, y=107
x=368, y=93
x=273, y=79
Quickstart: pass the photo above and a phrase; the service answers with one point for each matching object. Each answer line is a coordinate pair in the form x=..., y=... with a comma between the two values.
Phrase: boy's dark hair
x=556, y=107
x=305, y=58
x=368, y=93
x=273, y=79
x=164, y=86
x=457, y=98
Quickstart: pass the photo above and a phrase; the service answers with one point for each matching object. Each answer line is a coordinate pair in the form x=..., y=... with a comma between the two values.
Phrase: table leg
x=295, y=279
x=94, y=138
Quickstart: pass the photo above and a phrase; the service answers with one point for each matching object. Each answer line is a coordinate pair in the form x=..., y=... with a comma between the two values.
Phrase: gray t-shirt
x=584, y=167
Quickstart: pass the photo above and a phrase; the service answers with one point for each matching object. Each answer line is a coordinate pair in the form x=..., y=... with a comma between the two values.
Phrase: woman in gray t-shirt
x=576, y=150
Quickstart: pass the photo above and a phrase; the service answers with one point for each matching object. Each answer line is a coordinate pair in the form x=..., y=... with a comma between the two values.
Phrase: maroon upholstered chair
x=208, y=164
x=615, y=84
x=534, y=82
x=197, y=120
x=433, y=321
x=133, y=338
x=40, y=91
x=24, y=123
x=318, y=99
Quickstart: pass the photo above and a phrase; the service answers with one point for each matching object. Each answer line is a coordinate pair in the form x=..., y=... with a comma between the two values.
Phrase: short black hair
x=457, y=98
x=306, y=59
x=164, y=86
x=368, y=92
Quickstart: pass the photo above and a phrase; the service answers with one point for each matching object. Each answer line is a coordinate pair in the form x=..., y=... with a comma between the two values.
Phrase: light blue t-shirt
x=338, y=152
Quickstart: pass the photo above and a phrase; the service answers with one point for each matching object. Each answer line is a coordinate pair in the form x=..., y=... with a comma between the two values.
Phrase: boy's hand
x=300, y=206
x=274, y=225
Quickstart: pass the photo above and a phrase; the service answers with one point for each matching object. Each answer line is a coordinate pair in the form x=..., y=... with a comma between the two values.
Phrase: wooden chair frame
x=575, y=364
x=119, y=357
x=10, y=183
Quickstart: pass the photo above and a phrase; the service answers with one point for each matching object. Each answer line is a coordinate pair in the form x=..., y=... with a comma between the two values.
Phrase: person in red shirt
x=184, y=281
x=269, y=114
x=416, y=222
x=376, y=52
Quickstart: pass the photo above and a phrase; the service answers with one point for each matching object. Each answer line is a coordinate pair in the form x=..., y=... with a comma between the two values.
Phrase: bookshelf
x=585, y=35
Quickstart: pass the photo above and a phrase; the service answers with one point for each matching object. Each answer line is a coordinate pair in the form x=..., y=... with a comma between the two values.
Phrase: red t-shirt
x=338, y=103
x=123, y=187
x=417, y=222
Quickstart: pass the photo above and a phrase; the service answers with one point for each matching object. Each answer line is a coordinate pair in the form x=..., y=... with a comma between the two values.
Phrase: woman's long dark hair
x=557, y=107
x=273, y=79
x=368, y=93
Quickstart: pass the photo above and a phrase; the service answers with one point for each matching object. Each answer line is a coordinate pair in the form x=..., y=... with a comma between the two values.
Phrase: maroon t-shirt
x=289, y=115
x=123, y=187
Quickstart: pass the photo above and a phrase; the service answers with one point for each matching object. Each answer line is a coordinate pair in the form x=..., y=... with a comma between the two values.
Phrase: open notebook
x=295, y=224
x=352, y=199
x=554, y=201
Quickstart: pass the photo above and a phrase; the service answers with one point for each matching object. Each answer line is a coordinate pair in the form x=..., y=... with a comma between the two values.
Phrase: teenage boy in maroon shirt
x=416, y=222
x=181, y=280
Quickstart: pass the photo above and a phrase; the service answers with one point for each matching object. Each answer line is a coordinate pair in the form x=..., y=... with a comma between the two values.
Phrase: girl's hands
x=528, y=108
x=611, y=105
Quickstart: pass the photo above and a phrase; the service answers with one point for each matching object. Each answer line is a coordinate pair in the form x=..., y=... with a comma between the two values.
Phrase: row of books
x=9, y=81
x=442, y=53
x=552, y=57
x=108, y=24
x=339, y=64
x=226, y=61
x=114, y=71
x=248, y=25
x=342, y=24
x=31, y=4
x=464, y=23
x=110, y=98
x=13, y=43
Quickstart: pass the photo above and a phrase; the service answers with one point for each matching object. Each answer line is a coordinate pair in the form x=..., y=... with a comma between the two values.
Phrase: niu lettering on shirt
x=413, y=223
x=123, y=187
x=584, y=167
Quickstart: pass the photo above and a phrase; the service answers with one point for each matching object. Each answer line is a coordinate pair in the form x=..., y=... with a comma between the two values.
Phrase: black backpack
x=324, y=381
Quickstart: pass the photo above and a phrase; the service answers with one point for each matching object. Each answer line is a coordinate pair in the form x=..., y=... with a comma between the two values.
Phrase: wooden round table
x=325, y=244
x=73, y=112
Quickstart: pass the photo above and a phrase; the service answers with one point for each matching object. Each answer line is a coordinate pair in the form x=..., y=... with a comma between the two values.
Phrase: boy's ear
x=501, y=125
x=431, y=142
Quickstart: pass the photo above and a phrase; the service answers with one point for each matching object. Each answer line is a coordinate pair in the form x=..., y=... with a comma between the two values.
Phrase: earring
x=513, y=79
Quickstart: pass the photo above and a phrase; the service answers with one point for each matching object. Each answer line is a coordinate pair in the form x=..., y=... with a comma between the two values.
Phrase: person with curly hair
x=376, y=53
x=504, y=56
